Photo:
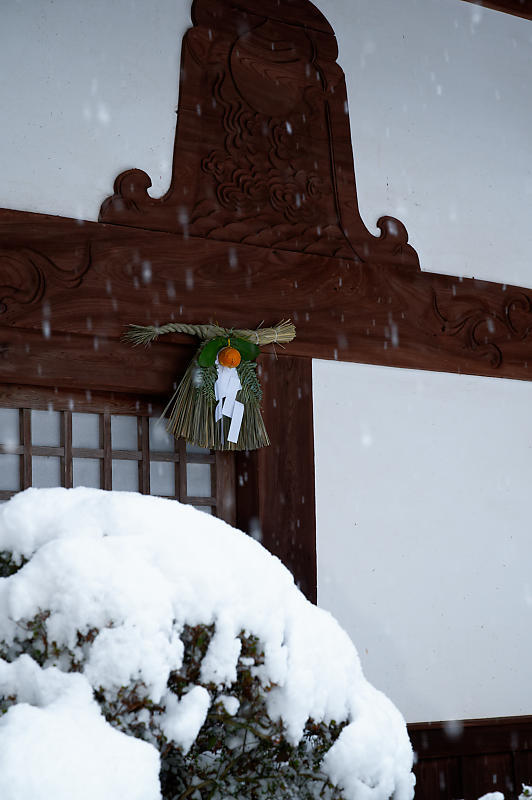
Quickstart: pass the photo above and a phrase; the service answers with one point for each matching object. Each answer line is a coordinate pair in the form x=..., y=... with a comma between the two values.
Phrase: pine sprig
x=251, y=391
x=206, y=378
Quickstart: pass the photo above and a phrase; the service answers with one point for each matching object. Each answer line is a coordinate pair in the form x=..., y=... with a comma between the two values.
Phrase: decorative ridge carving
x=262, y=151
x=234, y=12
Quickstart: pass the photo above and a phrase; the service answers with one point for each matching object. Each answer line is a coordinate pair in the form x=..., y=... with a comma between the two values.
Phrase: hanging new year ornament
x=217, y=402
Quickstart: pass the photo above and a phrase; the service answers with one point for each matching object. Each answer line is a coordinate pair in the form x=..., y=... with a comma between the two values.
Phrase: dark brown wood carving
x=260, y=223
x=25, y=272
x=84, y=283
x=262, y=151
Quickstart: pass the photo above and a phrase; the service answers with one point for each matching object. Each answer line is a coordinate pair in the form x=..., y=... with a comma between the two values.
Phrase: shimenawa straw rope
x=191, y=409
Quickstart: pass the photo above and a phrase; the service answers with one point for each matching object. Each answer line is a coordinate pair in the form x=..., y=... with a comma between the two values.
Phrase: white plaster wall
x=441, y=112
x=424, y=534
x=87, y=90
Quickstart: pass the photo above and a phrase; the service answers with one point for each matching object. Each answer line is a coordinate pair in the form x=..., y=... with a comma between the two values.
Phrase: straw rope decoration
x=217, y=402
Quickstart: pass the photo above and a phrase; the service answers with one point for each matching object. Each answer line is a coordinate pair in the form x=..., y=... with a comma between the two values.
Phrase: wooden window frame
x=220, y=501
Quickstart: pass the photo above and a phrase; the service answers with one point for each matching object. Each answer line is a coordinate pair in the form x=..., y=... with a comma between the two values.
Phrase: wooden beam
x=372, y=312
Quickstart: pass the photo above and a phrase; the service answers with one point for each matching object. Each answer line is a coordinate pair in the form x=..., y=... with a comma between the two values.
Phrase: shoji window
x=121, y=451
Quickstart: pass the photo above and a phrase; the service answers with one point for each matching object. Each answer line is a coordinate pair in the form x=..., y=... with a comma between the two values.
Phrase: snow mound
x=138, y=569
x=55, y=745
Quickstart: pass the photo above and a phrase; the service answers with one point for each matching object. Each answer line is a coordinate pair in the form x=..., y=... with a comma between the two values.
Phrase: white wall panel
x=88, y=89
x=441, y=111
x=424, y=535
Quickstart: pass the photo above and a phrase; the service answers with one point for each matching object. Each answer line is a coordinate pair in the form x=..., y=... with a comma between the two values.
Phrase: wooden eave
x=518, y=8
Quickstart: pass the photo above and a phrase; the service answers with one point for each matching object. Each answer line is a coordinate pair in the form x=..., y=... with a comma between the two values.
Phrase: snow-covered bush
x=525, y=793
x=148, y=650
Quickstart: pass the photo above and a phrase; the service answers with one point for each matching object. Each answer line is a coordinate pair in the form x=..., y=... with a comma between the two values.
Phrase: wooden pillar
x=275, y=485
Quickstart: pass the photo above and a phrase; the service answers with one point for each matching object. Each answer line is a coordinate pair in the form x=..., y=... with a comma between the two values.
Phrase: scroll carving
x=484, y=330
x=262, y=150
x=21, y=281
x=24, y=274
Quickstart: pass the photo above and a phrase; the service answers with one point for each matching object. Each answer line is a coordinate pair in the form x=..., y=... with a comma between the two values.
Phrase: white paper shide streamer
x=226, y=389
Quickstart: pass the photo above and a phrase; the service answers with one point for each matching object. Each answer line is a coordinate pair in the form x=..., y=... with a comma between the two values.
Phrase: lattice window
x=106, y=450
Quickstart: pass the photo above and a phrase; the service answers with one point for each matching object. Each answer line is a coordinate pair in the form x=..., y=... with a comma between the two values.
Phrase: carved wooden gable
x=263, y=149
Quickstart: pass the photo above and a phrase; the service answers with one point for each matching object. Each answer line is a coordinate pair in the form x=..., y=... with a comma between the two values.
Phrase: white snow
x=138, y=569
x=185, y=717
x=230, y=703
x=55, y=745
x=492, y=796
